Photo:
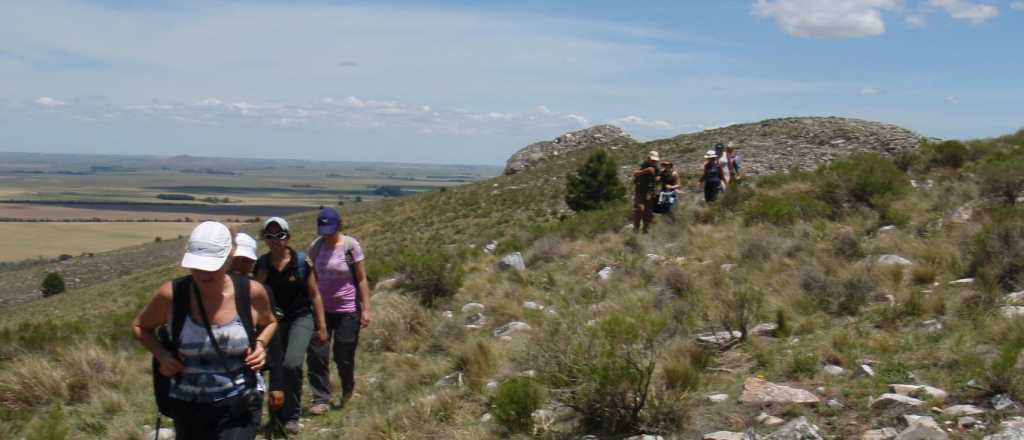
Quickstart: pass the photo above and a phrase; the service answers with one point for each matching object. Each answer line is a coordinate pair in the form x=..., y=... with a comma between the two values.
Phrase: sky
x=471, y=82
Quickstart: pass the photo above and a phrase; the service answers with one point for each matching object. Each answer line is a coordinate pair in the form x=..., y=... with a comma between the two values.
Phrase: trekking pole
x=156, y=433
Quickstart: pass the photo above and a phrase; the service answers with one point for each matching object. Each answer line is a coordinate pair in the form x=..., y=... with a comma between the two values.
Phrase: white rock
x=919, y=390
x=932, y=326
x=491, y=386
x=922, y=428
x=513, y=261
x=1012, y=311
x=764, y=329
x=447, y=314
x=486, y=418
x=471, y=308
x=475, y=321
x=761, y=391
x=164, y=434
x=894, y=260
x=963, y=410
x=1015, y=297
x=646, y=437
x=1003, y=402
x=728, y=267
x=491, y=247
x=655, y=258
x=797, y=429
x=724, y=435
x=1014, y=433
x=879, y=434
x=387, y=284
x=605, y=273
x=454, y=379
x=528, y=373
x=962, y=282
x=890, y=400
x=718, y=338
x=530, y=305
x=864, y=371
x=834, y=370
x=887, y=228
x=511, y=328
x=966, y=422
x=550, y=312
x=835, y=404
x=718, y=398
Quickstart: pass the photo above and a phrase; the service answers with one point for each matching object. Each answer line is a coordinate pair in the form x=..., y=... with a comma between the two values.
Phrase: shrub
x=515, y=403
x=997, y=253
x=51, y=427
x=704, y=216
x=586, y=224
x=739, y=308
x=595, y=184
x=1003, y=177
x=868, y=179
x=677, y=281
x=431, y=274
x=949, y=154
x=681, y=375
x=856, y=289
x=904, y=160
x=922, y=274
x=53, y=283
x=783, y=210
x=476, y=361
x=847, y=245
x=803, y=364
x=1002, y=374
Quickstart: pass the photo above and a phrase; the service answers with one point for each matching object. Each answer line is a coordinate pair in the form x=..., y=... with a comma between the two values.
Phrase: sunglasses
x=277, y=236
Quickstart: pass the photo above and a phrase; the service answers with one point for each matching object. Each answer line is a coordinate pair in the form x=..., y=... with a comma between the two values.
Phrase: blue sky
x=471, y=82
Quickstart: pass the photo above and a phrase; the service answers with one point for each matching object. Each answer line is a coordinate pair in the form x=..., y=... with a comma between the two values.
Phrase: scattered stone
x=513, y=261
x=491, y=386
x=557, y=418
x=769, y=420
x=454, y=379
x=1003, y=402
x=475, y=321
x=764, y=329
x=646, y=437
x=890, y=401
x=605, y=273
x=966, y=422
x=1012, y=311
x=473, y=308
x=490, y=247
x=1015, y=297
x=962, y=282
x=962, y=410
x=918, y=391
x=530, y=305
x=728, y=267
x=719, y=340
x=894, y=260
x=879, y=434
x=932, y=326
x=486, y=418
x=164, y=434
x=1011, y=433
x=550, y=312
x=797, y=429
x=835, y=404
x=834, y=370
x=963, y=214
x=528, y=373
x=531, y=155
x=864, y=371
x=655, y=258
x=761, y=391
x=511, y=328
x=447, y=314
x=388, y=284
x=724, y=435
x=718, y=398
x=922, y=428
x=887, y=228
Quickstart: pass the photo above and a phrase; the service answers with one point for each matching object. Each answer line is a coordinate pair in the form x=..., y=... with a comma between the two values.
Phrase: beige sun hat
x=653, y=155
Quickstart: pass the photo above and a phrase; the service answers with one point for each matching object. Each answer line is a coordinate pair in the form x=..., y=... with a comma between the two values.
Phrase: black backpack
x=181, y=287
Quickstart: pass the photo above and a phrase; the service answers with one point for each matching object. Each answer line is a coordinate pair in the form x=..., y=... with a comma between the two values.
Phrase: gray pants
x=343, y=329
x=295, y=335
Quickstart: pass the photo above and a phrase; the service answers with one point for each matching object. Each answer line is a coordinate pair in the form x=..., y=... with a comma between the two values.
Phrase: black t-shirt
x=291, y=292
x=670, y=178
x=645, y=182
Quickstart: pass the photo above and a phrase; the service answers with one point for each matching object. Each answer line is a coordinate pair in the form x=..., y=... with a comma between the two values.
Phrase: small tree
x=53, y=284
x=595, y=184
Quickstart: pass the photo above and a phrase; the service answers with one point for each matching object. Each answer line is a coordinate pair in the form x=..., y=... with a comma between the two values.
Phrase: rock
x=486, y=418
x=963, y=214
x=834, y=370
x=966, y=422
x=724, y=435
x=388, y=284
x=475, y=321
x=655, y=258
x=727, y=267
x=718, y=340
x=718, y=398
x=528, y=373
x=470, y=308
x=963, y=410
x=1015, y=297
x=879, y=434
x=962, y=282
x=1012, y=430
x=932, y=326
x=769, y=420
x=1012, y=311
x=454, y=379
x=447, y=314
x=530, y=305
x=1003, y=402
x=764, y=329
x=557, y=418
x=890, y=401
x=513, y=261
x=835, y=404
x=491, y=247
x=646, y=437
x=761, y=391
x=887, y=228
x=797, y=429
x=492, y=386
x=919, y=391
x=600, y=135
x=511, y=328
x=550, y=312
x=894, y=260
x=605, y=273
x=922, y=428
x=864, y=371
x=164, y=434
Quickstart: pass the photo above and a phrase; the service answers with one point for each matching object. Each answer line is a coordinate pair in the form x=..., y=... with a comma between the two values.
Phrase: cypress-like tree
x=53, y=284
x=595, y=184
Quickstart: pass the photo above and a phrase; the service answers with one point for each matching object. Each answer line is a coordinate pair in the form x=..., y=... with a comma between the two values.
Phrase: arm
x=364, y=293
x=263, y=318
x=152, y=316
x=318, y=307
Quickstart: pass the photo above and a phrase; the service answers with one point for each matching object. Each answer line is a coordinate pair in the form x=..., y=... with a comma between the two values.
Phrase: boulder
x=718, y=340
x=1015, y=297
x=834, y=370
x=835, y=404
x=530, y=305
x=890, y=401
x=513, y=261
x=1012, y=311
x=922, y=428
x=511, y=328
x=919, y=391
x=718, y=398
x=164, y=434
x=879, y=434
x=1003, y=402
x=388, y=284
x=1007, y=433
x=764, y=329
x=491, y=247
x=557, y=418
x=761, y=391
x=605, y=273
x=963, y=410
x=471, y=308
x=475, y=321
x=769, y=420
x=967, y=422
x=797, y=429
x=724, y=435
x=893, y=260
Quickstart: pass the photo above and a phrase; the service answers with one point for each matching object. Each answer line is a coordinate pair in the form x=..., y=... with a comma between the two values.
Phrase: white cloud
x=916, y=21
x=637, y=121
x=543, y=109
x=870, y=91
x=1017, y=6
x=582, y=121
x=47, y=101
x=827, y=18
x=975, y=13
x=953, y=100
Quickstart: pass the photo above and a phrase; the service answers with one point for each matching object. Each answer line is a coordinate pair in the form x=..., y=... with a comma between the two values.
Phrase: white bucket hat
x=245, y=246
x=208, y=247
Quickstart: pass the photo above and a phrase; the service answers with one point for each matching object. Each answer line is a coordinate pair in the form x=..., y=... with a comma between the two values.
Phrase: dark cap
x=328, y=221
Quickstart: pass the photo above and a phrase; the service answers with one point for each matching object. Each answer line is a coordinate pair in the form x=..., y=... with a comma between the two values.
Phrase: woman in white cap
x=712, y=176
x=219, y=327
x=244, y=259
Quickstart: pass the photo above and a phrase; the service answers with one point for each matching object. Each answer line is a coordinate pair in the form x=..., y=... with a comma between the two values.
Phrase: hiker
x=244, y=259
x=723, y=164
x=734, y=164
x=220, y=325
x=668, y=194
x=338, y=261
x=711, y=176
x=290, y=276
x=644, y=180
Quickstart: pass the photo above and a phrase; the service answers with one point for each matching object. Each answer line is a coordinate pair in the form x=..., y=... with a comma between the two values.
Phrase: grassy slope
x=409, y=347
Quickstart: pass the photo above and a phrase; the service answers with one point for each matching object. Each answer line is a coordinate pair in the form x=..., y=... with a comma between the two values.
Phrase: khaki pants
x=643, y=210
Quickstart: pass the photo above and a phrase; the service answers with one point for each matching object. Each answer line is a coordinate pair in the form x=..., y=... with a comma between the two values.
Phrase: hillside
x=858, y=273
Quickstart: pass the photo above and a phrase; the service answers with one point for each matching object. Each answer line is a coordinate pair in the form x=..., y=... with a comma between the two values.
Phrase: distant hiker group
x=214, y=331
x=656, y=183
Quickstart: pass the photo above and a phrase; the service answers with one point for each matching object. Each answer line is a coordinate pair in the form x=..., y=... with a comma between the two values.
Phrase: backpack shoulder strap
x=300, y=264
x=180, y=289
x=314, y=249
x=243, y=304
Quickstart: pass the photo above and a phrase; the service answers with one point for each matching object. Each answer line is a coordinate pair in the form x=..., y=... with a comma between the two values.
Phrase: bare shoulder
x=165, y=291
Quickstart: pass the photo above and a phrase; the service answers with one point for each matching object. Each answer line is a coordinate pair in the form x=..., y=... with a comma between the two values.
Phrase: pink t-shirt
x=336, y=283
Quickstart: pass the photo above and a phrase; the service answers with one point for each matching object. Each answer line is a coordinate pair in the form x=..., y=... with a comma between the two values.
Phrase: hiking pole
x=156, y=433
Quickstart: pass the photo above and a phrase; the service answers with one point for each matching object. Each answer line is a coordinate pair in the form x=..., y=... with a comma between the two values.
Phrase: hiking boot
x=319, y=409
x=292, y=427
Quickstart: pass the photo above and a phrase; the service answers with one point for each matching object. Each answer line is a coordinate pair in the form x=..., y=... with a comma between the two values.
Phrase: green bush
x=783, y=210
x=803, y=364
x=595, y=184
x=515, y=403
x=1002, y=176
x=586, y=224
x=681, y=375
x=867, y=179
x=53, y=283
x=997, y=252
x=431, y=274
x=948, y=154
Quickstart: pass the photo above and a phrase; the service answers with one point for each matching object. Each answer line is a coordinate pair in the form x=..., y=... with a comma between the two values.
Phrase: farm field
x=30, y=240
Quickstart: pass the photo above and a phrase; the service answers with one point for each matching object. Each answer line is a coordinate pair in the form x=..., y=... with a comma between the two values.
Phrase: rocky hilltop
x=600, y=135
x=777, y=145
